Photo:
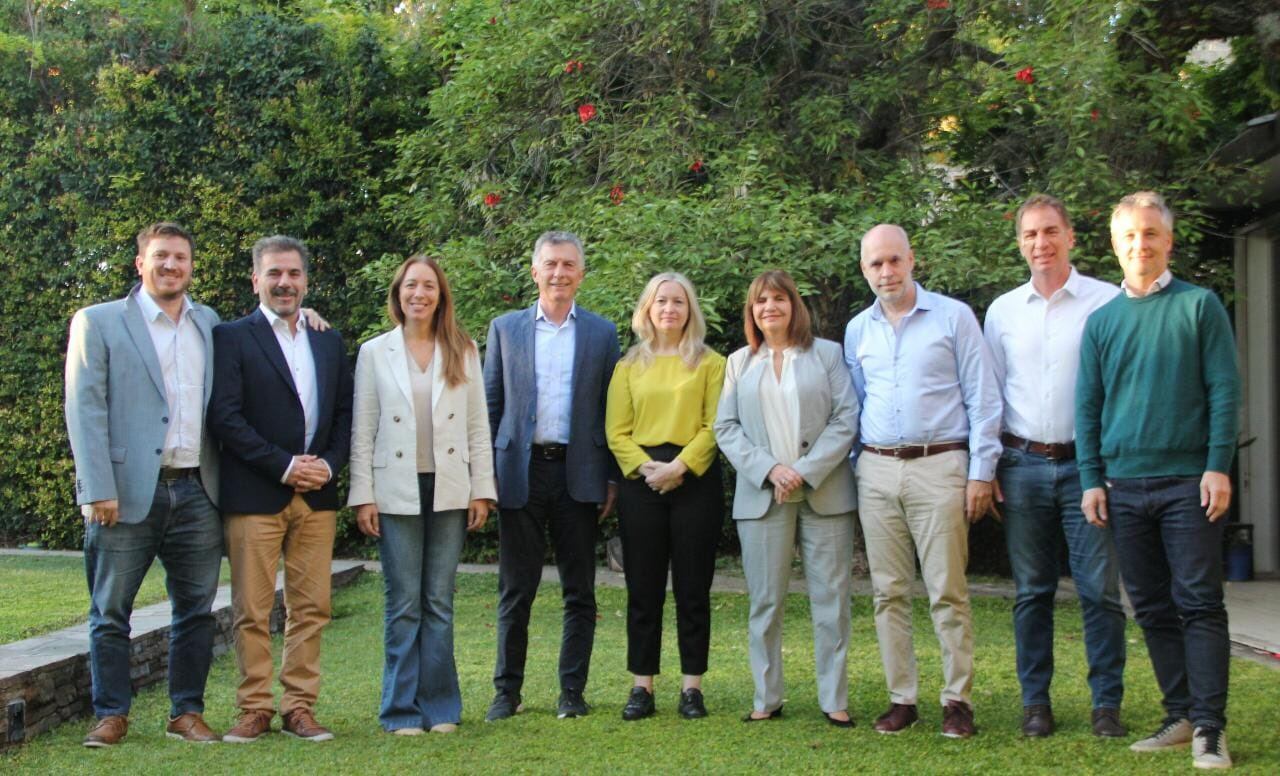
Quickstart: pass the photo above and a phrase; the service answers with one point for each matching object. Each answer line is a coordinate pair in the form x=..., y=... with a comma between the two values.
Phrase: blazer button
x=396, y=418
x=804, y=444
x=164, y=420
x=159, y=451
x=450, y=451
x=399, y=454
x=450, y=416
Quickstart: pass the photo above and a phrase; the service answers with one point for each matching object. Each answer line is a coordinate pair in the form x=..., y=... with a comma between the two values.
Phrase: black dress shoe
x=840, y=723
x=505, y=704
x=1037, y=721
x=639, y=705
x=571, y=704
x=691, y=705
x=775, y=714
x=1106, y=724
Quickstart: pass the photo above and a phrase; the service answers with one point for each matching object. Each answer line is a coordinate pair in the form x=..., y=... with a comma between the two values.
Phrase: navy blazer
x=256, y=414
x=510, y=385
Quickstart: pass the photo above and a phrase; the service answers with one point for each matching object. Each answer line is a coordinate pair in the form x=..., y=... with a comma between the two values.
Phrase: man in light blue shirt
x=928, y=447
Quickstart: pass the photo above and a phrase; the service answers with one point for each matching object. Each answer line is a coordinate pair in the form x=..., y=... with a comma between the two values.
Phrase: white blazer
x=384, y=433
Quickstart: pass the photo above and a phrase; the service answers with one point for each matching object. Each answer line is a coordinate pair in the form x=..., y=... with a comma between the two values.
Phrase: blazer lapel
x=206, y=332
x=267, y=341
x=398, y=362
x=141, y=336
x=811, y=383
x=437, y=377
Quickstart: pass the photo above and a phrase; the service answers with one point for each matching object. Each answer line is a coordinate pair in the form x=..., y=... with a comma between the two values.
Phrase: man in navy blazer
x=281, y=407
x=546, y=373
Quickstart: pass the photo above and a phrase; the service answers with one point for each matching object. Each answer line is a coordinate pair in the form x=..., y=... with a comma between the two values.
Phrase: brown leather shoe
x=898, y=718
x=1037, y=720
x=957, y=720
x=108, y=731
x=190, y=727
x=1107, y=724
x=301, y=723
x=252, y=725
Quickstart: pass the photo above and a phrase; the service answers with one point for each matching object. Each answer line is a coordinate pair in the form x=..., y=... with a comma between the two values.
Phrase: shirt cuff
x=285, y=479
x=983, y=471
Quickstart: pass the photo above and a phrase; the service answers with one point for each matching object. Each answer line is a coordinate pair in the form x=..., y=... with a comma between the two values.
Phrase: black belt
x=549, y=452
x=1054, y=451
x=916, y=451
x=169, y=474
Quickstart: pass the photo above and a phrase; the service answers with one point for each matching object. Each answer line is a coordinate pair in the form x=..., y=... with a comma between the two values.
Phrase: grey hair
x=1143, y=199
x=280, y=243
x=559, y=238
x=862, y=247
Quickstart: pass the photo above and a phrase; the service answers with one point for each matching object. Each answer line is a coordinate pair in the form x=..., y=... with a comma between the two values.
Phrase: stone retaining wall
x=42, y=686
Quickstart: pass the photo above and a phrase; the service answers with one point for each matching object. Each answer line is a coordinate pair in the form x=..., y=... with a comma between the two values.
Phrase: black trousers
x=522, y=545
x=679, y=529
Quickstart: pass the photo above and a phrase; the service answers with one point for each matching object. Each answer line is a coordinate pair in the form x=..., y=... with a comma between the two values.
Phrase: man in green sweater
x=1156, y=401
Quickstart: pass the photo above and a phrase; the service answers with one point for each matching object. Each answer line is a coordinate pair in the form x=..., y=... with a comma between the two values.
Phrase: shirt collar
x=150, y=309
x=274, y=319
x=539, y=315
x=1072, y=286
x=1159, y=284
x=924, y=301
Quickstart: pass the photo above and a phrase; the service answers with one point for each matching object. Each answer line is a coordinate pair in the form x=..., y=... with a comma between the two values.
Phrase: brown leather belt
x=1061, y=451
x=916, y=451
x=169, y=474
x=550, y=452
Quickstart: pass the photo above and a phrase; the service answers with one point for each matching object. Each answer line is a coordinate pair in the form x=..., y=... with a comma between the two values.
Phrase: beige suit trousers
x=909, y=509
x=254, y=545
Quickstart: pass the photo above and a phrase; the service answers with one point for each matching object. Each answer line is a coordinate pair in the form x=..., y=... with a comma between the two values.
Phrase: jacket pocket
x=380, y=459
x=502, y=442
x=118, y=454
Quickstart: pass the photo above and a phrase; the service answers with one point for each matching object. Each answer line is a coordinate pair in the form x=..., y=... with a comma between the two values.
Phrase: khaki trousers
x=913, y=509
x=254, y=545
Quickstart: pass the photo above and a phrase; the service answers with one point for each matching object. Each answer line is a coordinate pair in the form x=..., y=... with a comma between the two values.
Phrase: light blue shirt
x=553, y=348
x=929, y=380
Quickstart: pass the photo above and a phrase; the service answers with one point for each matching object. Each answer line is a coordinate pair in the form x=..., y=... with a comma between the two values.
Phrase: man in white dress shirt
x=1034, y=332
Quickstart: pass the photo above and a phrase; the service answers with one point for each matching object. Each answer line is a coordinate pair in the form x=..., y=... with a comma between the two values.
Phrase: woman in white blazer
x=786, y=421
x=421, y=477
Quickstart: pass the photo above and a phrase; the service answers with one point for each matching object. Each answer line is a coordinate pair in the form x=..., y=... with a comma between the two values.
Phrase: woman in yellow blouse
x=662, y=404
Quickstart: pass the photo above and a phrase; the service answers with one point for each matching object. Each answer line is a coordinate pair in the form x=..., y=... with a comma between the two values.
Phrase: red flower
x=508, y=298
x=586, y=112
x=937, y=5
x=696, y=166
x=492, y=199
x=616, y=194
x=1095, y=114
x=573, y=65
x=1026, y=75
x=493, y=20
x=1008, y=216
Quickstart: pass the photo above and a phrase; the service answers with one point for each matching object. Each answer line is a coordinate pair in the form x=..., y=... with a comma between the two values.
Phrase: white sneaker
x=407, y=731
x=1171, y=735
x=1209, y=748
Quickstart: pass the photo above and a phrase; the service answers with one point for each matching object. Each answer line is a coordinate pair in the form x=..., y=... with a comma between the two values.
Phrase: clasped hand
x=308, y=473
x=785, y=481
x=663, y=477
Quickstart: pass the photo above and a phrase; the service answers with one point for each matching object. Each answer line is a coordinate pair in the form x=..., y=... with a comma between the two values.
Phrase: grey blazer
x=828, y=426
x=117, y=412
x=511, y=388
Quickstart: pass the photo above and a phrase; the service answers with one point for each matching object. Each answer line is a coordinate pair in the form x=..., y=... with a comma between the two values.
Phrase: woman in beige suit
x=421, y=477
x=786, y=421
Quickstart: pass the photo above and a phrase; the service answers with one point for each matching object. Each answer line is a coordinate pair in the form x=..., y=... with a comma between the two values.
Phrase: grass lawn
x=537, y=742
x=63, y=597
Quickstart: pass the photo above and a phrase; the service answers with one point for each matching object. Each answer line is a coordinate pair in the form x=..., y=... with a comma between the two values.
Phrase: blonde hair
x=691, y=348
x=1141, y=199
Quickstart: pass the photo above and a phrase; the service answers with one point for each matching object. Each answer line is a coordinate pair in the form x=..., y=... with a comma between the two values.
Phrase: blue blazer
x=511, y=389
x=256, y=414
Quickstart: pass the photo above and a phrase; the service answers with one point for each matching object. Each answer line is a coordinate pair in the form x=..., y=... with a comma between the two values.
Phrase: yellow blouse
x=667, y=403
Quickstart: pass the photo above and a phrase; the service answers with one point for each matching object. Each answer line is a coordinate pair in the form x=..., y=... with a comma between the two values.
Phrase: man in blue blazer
x=546, y=373
x=137, y=381
x=281, y=407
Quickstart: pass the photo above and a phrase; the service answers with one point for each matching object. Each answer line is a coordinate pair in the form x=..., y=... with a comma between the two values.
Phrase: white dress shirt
x=180, y=350
x=553, y=348
x=780, y=406
x=1035, y=346
x=1159, y=283
x=296, y=347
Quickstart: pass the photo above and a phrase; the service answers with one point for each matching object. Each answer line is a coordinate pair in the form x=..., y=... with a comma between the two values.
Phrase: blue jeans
x=1042, y=509
x=1171, y=561
x=183, y=528
x=419, y=563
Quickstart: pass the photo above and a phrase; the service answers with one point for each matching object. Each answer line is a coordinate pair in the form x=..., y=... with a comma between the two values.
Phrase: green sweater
x=1158, y=389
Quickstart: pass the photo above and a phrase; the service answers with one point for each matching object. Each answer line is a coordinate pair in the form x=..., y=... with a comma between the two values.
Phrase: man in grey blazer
x=137, y=383
x=546, y=373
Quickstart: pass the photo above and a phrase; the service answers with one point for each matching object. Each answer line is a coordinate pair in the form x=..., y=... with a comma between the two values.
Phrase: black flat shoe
x=691, y=705
x=775, y=714
x=639, y=705
x=840, y=723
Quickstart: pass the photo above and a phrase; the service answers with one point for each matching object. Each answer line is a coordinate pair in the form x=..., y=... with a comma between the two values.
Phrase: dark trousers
x=680, y=529
x=522, y=545
x=1171, y=564
x=184, y=530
